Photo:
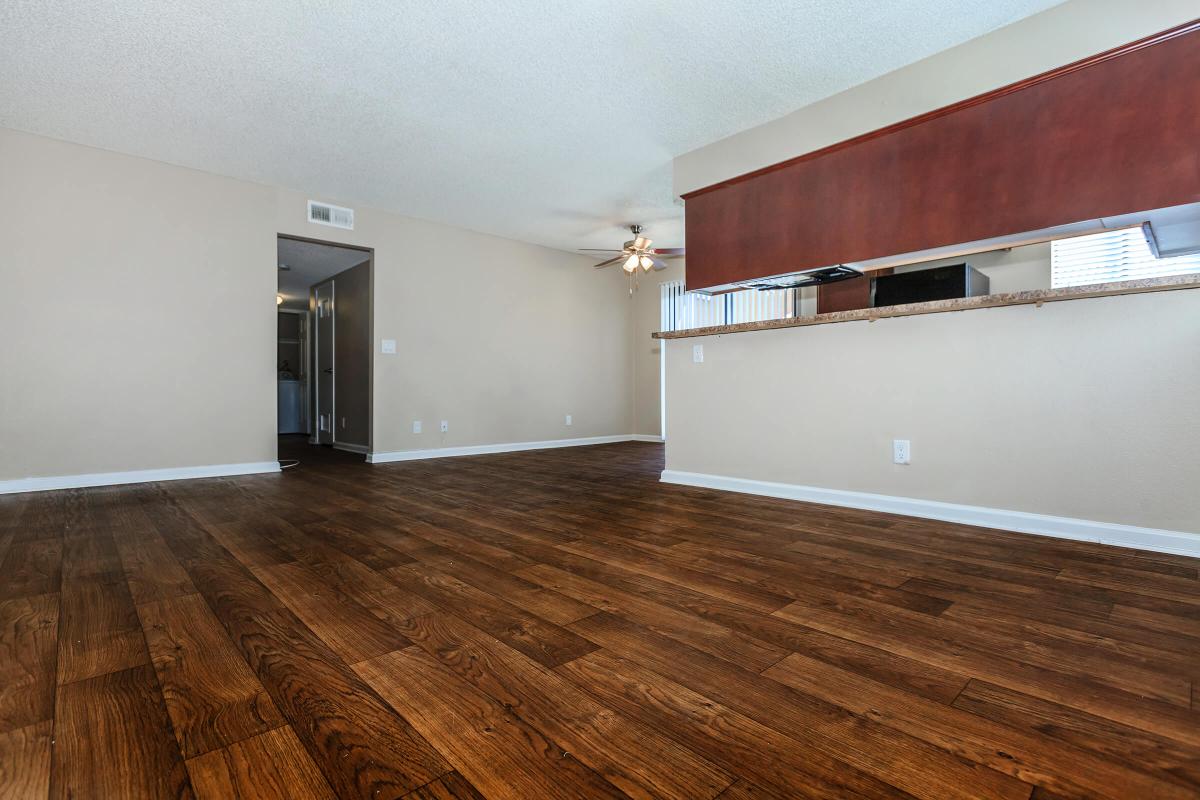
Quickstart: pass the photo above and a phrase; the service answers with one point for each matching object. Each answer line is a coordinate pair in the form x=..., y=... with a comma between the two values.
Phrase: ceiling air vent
x=334, y=216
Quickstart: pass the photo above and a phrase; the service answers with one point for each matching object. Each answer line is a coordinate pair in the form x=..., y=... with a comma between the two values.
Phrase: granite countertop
x=1033, y=297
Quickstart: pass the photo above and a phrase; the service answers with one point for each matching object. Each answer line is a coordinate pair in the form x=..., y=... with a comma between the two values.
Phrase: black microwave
x=924, y=285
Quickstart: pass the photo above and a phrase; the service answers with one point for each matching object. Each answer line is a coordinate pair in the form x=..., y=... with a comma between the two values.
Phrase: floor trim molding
x=1158, y=540
x=351, y=448
x=645, y=437
x=136, y=476
x=483, y=449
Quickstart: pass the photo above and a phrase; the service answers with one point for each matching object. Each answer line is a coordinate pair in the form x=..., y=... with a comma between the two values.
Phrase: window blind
x=1120, y=255
x=682, y=310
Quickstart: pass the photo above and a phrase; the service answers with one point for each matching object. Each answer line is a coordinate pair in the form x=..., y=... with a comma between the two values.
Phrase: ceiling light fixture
x=637, y=252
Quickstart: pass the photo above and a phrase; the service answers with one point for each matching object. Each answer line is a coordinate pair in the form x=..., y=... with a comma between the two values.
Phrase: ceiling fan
x=637, y=252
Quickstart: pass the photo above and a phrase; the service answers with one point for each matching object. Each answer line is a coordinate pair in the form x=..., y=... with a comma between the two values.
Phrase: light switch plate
x=389, y=346
x=698, y=353
x=416, y=426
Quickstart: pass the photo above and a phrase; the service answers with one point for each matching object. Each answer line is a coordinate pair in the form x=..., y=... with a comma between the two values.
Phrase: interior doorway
x=325, y=333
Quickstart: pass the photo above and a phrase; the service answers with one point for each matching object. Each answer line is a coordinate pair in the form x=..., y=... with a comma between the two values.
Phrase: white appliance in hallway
x=291, y=406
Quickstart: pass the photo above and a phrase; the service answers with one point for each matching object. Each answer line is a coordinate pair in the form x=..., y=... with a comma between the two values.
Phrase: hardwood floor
x=559, y=624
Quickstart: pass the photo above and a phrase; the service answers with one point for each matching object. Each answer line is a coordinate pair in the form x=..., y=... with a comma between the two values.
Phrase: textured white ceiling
x=310, y=263
x=549, y=122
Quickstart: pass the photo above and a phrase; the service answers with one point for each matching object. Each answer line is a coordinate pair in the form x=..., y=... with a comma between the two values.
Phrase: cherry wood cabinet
x=1117, y=133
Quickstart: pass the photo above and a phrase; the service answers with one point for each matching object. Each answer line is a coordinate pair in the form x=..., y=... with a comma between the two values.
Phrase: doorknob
x=329, y=370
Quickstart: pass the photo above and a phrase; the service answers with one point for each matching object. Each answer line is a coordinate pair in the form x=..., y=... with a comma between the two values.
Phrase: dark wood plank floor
x=559, y=624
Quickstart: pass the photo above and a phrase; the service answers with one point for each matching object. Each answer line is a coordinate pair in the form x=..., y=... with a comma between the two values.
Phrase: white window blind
x=1121, y=255
x=682, y=310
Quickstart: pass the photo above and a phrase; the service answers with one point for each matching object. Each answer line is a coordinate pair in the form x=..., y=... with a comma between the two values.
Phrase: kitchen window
x=1119, y=255
x=682, y=309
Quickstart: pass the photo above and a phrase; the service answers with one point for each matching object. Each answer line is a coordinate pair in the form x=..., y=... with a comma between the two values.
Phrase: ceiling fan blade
x=598, y=250
x=667, y=251
x=610, y=261
x=659, y=264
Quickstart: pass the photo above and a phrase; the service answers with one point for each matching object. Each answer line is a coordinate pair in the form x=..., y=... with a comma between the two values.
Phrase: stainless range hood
x=808, y=277
x=1169, y=231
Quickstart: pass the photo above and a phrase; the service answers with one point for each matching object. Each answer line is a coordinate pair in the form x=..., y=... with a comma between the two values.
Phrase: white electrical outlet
x=698, y=353
x=416, y=426
x=901, y=451
x=568, y=419
x=388, y=346
x=445, y=426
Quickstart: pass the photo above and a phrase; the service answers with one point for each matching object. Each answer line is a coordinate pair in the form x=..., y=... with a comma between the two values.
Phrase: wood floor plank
x=31, y=568
x=744, y=790
x=89, y=554
x=894, y=757
x=151, y=570
x=1091, y=642
x=358, y=545
x=451, y=786
x=211, y=694
x=28, y=656
x=633, y=757
x=99, y=631
x=112, y=739
x=735, y=647
x=1037, y=649
x=561, y=623
x=911, y=674
x=348, y=628
x=543, y=641
x=496, y=750
x=1138, y=618
x=269, y=766
x=969, y=599
x=529, y=595
x=739, y=743
x=1117, y=744
x=917, y=639
x=25, y=762
x=1167, y=587
x=1032, y=759
x=361, y=747
x=708, y=583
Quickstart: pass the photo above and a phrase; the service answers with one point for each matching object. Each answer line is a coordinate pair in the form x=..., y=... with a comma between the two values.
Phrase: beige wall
x=1080, y=409
x=139, y=328
x=141, y=325
x=1014, y=270
x=1083, y=409
x=1058, y=36
x=501, y=339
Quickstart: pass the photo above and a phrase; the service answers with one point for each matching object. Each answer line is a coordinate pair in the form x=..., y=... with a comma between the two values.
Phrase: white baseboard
x=137, y=476
x=644, y=437
x=351, y=448
x=483, y=449
x=1158, y=540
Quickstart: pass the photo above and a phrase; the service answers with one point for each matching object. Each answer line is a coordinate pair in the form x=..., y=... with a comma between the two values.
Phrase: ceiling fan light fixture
x=646, y=263
x=631, y=264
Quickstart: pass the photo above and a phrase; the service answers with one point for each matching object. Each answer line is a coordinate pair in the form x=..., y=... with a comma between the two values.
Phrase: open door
x=323, y=349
